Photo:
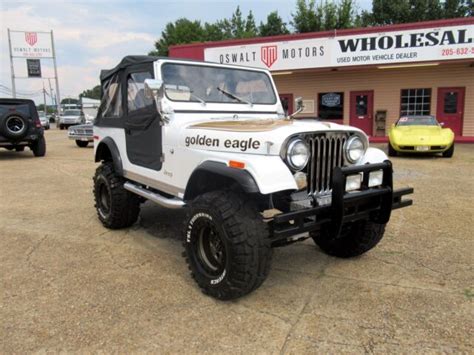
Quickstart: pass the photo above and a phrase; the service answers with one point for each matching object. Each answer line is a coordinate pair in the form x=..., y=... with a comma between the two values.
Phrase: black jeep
x=20, y=126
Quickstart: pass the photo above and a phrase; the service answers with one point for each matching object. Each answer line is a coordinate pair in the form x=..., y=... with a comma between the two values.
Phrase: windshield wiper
x=177, y=88
x=232, y=96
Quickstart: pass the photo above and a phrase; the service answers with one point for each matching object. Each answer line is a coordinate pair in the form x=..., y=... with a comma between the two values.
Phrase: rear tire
x=391, y=152
x=82, y=144
x=116, y=207
x=39, y=147
x=227, y=245
x=355, y=239
x=449, y=153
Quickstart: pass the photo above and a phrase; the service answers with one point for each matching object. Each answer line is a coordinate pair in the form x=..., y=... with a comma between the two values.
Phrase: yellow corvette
x=420, y=134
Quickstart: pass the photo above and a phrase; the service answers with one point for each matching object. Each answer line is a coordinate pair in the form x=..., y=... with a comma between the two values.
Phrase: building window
x=331, y=105
x=415, y=102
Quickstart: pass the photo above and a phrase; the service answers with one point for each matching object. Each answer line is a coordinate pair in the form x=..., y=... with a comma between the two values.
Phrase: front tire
x=356, y=238
x=449, y=153
x=82, y=144
x=227, y=245
x=116, y=207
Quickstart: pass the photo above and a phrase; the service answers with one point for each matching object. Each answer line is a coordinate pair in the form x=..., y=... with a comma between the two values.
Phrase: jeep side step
x=153, y=196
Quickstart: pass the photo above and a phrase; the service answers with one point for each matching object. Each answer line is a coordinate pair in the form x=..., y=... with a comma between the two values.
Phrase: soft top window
x=197, y=83
x=22, y=108
x=111, y=103
x=136, y=98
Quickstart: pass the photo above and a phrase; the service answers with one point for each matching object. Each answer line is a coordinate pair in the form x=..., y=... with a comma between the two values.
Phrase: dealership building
x=366, y=77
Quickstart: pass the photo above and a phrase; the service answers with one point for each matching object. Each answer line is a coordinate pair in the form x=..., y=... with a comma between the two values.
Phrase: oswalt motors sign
x=31, y=44
x=429, y=44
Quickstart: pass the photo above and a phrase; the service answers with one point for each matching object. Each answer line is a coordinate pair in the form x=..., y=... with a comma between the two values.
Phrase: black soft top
x=126, y=62
x=12, y=101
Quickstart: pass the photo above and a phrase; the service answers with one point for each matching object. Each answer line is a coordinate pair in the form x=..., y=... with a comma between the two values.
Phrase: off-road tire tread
x=366, y=236
x=125, y=206
x=250, y=241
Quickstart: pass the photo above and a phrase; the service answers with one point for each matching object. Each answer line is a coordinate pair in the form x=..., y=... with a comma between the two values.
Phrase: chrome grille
x=83, y=132
x=326, y=153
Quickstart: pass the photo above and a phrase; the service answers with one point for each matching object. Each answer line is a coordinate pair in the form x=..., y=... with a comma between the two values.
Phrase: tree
x=250, y=26
x=326, y=15
x=180, y=32
x=308, y=17
x=273, y=27
x=184, y=31
x=93, y=93
x=237, y=24
x=391, y=12
x=458, y=8
x=346, y=14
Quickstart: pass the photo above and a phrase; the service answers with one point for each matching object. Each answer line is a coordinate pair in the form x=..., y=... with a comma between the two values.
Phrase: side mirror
x=299, y=104
x=299, y=107
x=152, y=87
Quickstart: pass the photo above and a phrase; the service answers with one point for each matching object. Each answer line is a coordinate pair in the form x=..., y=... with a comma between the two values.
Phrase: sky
x=93, y=35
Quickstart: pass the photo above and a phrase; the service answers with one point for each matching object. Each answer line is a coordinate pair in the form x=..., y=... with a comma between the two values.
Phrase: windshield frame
x=224, y=67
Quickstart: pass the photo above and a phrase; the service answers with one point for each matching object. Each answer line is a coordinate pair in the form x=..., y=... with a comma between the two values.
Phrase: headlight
x=355, y=149
x=297, y=154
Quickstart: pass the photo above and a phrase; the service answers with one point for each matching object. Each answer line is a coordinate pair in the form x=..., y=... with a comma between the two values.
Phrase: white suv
x=214, y=139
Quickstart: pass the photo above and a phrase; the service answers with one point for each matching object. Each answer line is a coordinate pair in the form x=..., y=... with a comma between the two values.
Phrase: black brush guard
x=375, y=204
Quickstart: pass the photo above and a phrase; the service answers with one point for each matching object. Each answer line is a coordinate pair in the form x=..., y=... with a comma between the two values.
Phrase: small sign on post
x=34, y=68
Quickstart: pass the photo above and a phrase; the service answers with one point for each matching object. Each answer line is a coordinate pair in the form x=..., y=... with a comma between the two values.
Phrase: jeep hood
x=252, y=136
x=243, y=125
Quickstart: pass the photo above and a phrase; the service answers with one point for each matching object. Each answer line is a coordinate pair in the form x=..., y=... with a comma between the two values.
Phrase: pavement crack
x=35, y=247
x=291, y=331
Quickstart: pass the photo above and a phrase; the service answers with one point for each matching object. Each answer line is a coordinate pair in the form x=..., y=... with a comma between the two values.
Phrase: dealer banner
x=391, y=47
x=31, y=44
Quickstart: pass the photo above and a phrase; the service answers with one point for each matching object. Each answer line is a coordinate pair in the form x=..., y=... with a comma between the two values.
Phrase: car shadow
x=11, y=155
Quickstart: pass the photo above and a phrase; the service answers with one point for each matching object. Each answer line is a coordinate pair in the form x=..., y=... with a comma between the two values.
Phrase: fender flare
x=240, y=176
x=114, y=155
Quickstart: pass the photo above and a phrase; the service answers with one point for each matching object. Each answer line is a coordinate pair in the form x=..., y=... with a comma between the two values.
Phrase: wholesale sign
x=31, y=44
x=418, y=45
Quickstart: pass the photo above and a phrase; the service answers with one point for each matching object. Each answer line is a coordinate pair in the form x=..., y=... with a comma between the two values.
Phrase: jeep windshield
x=208, y=84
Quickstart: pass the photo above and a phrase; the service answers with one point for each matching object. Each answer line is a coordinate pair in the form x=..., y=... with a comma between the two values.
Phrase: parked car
x=214, y=139
x=21, y=127
x=44, y=120
x=82, y=134
x=71, y=117
x=420, y=134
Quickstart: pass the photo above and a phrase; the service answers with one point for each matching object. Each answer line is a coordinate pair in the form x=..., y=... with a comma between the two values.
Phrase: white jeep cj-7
x=214, y=139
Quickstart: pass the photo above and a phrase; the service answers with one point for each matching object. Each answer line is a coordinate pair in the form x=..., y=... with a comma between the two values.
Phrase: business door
x=361, y=110
x=450, y=108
